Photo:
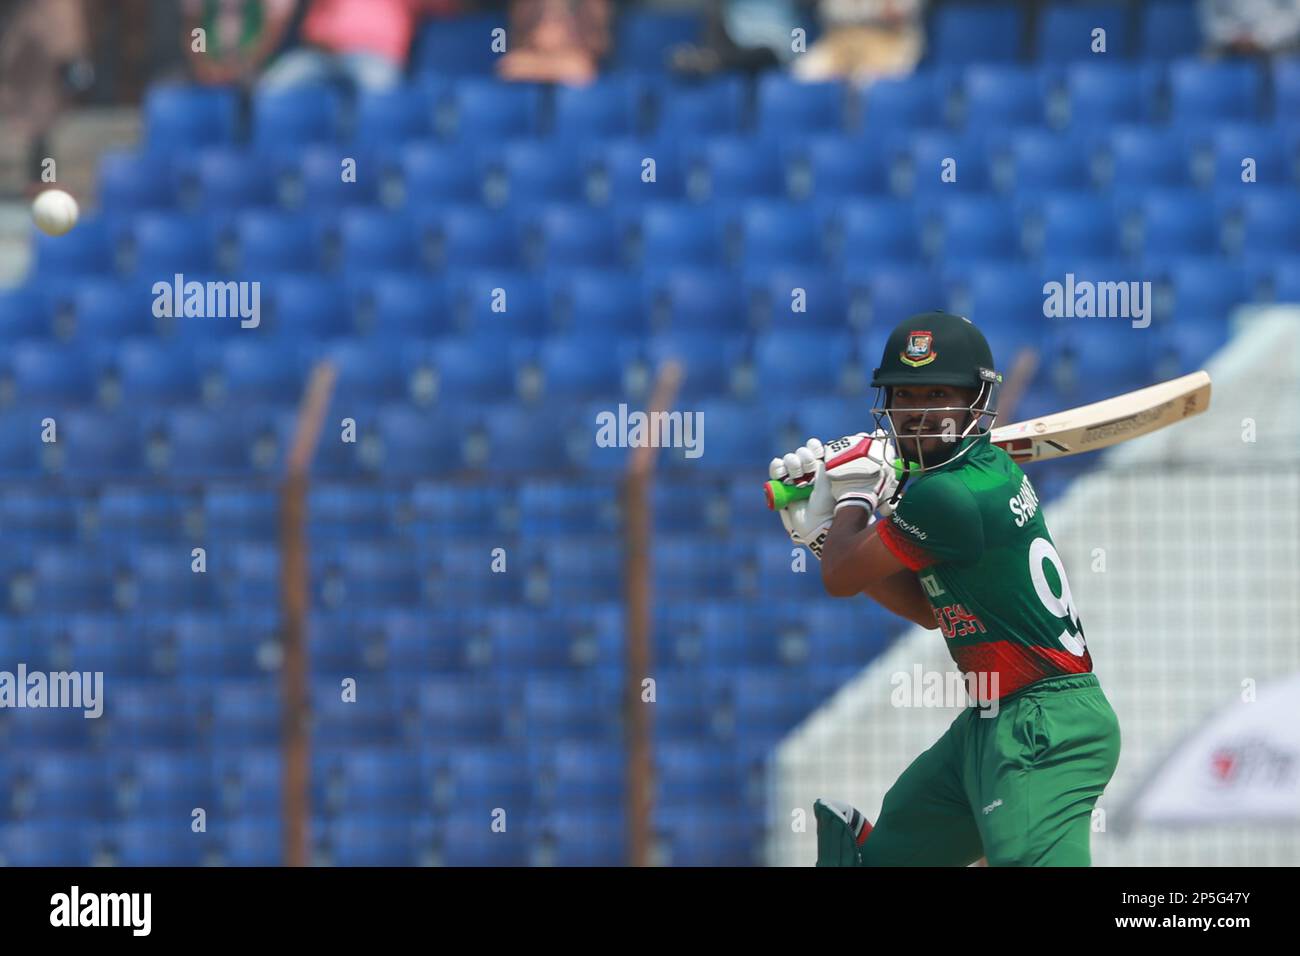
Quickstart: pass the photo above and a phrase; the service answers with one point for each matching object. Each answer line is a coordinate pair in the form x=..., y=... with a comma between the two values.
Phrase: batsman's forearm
x=843, y=565
x=902, y=595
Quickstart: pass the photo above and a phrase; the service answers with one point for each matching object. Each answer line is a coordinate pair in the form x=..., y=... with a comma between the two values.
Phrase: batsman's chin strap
x=902, y=480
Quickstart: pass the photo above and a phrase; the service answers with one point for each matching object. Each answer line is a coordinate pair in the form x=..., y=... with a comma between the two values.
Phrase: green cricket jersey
x=973, y=531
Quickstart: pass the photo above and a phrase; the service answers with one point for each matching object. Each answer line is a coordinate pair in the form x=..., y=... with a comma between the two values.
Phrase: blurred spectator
x=740, y=35
x=556, y=41
x=865, y=40
x=1246, y=27
x=44, y=61
x=365, y=43
x=239, y=36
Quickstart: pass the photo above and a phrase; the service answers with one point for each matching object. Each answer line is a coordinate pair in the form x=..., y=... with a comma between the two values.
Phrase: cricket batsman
x=960, y=546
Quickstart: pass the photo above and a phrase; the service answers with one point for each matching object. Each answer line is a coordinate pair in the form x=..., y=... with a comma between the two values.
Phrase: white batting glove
x=805, y=521
x=859, y=470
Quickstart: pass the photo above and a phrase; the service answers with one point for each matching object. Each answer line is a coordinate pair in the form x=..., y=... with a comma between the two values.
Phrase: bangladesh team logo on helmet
x=920, y=349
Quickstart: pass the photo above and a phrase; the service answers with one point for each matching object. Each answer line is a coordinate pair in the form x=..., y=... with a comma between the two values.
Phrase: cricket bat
x=1076, y=430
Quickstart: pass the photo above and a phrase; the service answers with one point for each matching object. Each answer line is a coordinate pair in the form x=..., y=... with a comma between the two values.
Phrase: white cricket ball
x=54, y=212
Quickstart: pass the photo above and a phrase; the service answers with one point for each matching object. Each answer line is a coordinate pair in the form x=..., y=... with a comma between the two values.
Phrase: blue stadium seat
x=718, y=836
x=47, y=843
x=1144, y=157
x=96, y=643
x=877, y=230
x=578, y=707
x=1170, y=30
x=518, y=644
x=616, y=168
x=918, y=101
x=126, y=513
x=575, y=235
x=771, y=291
x=227, y=179
x=149, y=714
x=472, y=237
x=260, y=372
x=288, y=119
x=21, y=448
x=778, y=232
x=591, y=300
x=251, y=780
x=1104, y=355
x=155, y=843
x=1077, y=225
x=109, y=309
x=1286, y=88
x=166, y=243
x=1039, y=161
x=435, y=172
x=1273, y=167
x=368, y=372
x=1208, y=92
x=706, y=357
x=787, y=361
x=210, y=444
x=130, y=182
x=468, y=839
x=1178, y=223
x=735, y=167
x=881, y=296
x=371, y=720
x=692, y=774
x=975, y=33
x=1065, y=31
x=1287, y=280
x=1208, y=288
x=715, y=106
x=978, y=227
x=928, y=155
x=90, y=249
x=67, y=786
x=677, y=234
x=24, y=313
x=469, y=368
x=578, y=570
x=419, y=644
x=1105, y=93
x=689, y=299
x=374, y=240
x=34, y=516
x=181, y=118
x=581, y=367
x=165, y=786
x=1184, y=345
x=583, y=838
x=276, y=241
x=149, y=371
x=167, y=582
x=582, y=776
x=786, y=106
x=314, y=178
x=392, y=117
x=411, y=446
x=500, y=302
x=49, y=373
x=453, y=709
x=614, y=105
x=487, y=110
x=538, y=171
x=367, y=839
x=838, y=165
x=643, y=38
x=250, y=842
x=1002, y=95
x=402, y=306
x=1004, y=300
x=1271, y=222
x=521, y=438
x=247, y=713
x=305, y=307
x=207, y=651
x=454, y=46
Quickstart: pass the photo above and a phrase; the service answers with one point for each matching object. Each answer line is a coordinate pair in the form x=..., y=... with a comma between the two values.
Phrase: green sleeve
x=939, y=516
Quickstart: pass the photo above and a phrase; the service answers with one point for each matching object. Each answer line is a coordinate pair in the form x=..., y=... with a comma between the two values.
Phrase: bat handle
x=780, y=495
